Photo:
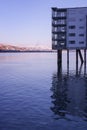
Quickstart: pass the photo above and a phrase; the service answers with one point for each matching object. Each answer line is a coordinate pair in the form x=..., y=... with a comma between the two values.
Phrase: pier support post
x=84, y=61
x=80, y=55
x=76, y=62
x=67, y=61
x=59, y=61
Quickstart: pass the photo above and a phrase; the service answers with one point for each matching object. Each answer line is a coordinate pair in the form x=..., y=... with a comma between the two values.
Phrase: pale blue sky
x=28, y=22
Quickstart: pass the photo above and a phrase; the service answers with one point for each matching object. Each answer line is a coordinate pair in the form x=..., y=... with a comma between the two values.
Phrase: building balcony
x=55, y=32
x=59, y=32
x=61, y=44
x=59, y=24
x=58, y=17
x=58, y=46
x=59, y=39
x=54, y=39
x=55, y=25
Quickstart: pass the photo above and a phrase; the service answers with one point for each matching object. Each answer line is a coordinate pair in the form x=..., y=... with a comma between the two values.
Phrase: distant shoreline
x=30, y=51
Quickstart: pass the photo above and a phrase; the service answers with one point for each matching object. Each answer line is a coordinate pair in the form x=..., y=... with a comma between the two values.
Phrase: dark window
x=71, y=34
x=71, y=42
x=81, y=42
x=81, y=19
x=81, y=27
x=81, y=35
x=72, y=27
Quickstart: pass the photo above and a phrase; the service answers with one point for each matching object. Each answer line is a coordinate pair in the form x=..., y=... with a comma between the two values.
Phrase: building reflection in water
x=69, y=95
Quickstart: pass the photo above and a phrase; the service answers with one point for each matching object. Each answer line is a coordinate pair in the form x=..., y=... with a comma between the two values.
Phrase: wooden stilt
x=68, y=61
x=59, y=61
x=76, y=62
x=80, y=55
x=80, y=69
x=84, y=61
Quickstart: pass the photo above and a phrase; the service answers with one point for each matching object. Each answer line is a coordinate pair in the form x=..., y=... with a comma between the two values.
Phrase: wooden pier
x=78, y=56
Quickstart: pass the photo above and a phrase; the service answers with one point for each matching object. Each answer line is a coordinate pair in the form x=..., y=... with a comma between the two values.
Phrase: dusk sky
x=28, y=22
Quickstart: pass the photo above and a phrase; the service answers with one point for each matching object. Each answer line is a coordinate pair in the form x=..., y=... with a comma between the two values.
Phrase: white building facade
x=69, y=28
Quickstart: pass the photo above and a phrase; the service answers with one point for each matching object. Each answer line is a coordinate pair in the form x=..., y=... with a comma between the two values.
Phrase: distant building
x=69, y=28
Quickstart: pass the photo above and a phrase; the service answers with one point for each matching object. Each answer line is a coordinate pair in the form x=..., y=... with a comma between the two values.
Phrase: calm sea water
x=33, y=96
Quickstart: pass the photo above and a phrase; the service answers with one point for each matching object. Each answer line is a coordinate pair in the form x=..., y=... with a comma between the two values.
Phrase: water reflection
x=69, y=95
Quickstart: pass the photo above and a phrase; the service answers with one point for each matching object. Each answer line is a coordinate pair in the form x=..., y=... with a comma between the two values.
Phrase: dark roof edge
x=67, y=8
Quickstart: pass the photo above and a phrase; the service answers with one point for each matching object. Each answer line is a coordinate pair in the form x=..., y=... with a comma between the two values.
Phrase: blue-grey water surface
x=33, y=96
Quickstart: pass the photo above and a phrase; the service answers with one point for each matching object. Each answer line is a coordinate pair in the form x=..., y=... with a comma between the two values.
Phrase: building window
x=81, y=19
x=81, y=27
x=81, y=42
x=72, y=27
x=71, y=34
x=71, y=42
x=81, y=35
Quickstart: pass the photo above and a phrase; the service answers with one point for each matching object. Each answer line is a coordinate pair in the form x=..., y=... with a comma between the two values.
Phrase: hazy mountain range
x=11, y=48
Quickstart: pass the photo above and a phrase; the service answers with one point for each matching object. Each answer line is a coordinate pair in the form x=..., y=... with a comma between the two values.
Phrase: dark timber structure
x=68, y=35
